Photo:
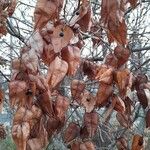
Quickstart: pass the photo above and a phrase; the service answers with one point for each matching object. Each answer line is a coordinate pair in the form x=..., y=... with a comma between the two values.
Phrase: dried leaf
x=122, y=55
x=56, y=72
x=31, y=90
x=71, y=132
x=110, y=108
x=39, y=140
x=48, y=54
x=37, y=112
x=111, y=60
x=3, y=20
x=103, y=94
x=148, y=119
x=17, y=90
x=146, y=85
x=91, y=122
x=53, y=125
x=61, y=37
x=140, y=79
x=147, y=93
x=17, y=65
x=1, y=100
x=112, y=14
x=143, y=99
x=109, y=11
x=3, y=133
x=77, y=88
x=61, y=106
x=80, y=43
x=19, y=75
x=90, y=69
x=75, y=145
x=46, y=10
x=117, y=32
x=120, y=105
x=88, y=101
x=105, y=75
x=128, y=105
x=137, y=142
x=34, y=144
x=133, y=3
x=84, y=134
x=12, y=7
x=121, y=143
x=27, y=115
x=31, y=61
x=20, y=134
x=122, y=78
x=44, y=101
x=88, y=145
x=47, y=31
x=97, y=30
x=41, y=83
x=21, y=93
x=123, y=120
x=36, y=44
x=71, y=55
x=83, y=16
x=19, y=115
x=85, y=21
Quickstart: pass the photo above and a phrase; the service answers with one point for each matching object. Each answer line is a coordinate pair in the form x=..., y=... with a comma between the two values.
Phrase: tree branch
x=141, y=49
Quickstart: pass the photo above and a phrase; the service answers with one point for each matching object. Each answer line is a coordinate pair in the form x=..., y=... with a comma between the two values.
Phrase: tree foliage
x=57, y=91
